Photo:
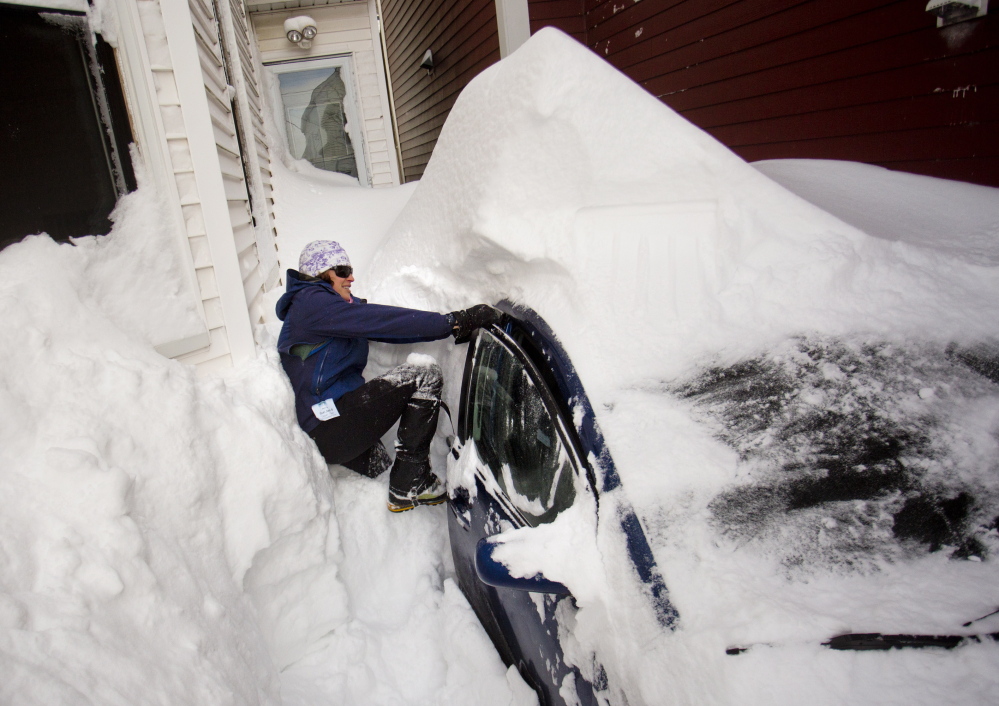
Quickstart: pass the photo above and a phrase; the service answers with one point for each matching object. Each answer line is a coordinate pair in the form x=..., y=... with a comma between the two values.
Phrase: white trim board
x=135, y=70
x=513, y=21
x=190, y=83
x=388, y=111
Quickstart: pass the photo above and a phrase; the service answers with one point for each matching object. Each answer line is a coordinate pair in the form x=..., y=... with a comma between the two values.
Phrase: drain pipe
x=391, y=94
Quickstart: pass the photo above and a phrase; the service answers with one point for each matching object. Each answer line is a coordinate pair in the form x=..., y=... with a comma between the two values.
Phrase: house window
x=320, y=114
x=64, y=128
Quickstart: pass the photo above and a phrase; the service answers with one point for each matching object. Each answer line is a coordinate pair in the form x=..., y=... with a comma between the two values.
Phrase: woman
x=324, y=348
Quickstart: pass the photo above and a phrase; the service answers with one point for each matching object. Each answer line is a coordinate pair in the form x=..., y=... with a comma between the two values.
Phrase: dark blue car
x=518, y=399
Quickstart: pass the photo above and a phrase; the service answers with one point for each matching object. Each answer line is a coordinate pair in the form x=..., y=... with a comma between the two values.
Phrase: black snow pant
x=408, y=393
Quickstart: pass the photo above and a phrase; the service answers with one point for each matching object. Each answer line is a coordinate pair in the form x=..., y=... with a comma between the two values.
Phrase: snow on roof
x=960, y=220
x=559, y=182
x=707, y=308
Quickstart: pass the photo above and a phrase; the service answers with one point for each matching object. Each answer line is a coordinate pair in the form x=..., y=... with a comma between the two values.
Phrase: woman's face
x=341, y=285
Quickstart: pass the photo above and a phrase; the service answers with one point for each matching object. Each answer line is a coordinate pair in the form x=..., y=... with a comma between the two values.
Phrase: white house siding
x=220, y=98
x=212, y=192
x=242, y=67
x=344, y=29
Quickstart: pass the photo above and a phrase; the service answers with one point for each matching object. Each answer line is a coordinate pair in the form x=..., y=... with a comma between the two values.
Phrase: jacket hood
x=294, y=286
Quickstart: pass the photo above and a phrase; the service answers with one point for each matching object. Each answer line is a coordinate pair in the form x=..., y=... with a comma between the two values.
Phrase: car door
x=526, y=470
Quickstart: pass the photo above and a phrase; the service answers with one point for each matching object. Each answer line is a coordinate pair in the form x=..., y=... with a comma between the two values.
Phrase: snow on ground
x=140, y=504
x=168, y=538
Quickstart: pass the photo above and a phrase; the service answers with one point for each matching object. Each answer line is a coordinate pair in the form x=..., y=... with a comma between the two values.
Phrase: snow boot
x=430, y=491
x=411, y=481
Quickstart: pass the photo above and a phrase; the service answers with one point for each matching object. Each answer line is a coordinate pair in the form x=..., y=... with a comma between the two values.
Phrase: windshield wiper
x=878, y=641
x=987, y=615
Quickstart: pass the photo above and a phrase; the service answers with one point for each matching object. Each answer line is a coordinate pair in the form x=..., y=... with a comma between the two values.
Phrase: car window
x=516, y=434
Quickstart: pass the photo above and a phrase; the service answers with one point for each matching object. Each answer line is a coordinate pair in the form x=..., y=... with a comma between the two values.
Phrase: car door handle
x=461, y=506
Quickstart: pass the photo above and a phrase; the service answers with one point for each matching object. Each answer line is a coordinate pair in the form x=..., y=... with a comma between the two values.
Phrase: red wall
x=864, y=80
x=462, y=35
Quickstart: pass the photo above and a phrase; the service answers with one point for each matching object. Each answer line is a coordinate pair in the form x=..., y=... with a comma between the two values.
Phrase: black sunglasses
x=343, y=271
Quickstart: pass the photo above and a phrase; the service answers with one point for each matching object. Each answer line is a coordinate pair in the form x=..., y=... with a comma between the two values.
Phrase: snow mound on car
x=558, y=182
x=898, y=206
x=665, y=263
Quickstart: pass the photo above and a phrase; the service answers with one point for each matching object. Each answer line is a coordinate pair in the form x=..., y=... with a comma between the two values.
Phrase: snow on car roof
x=754, y=362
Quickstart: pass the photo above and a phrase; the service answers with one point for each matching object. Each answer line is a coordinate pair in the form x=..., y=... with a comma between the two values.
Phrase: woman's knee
x=429, y=382
x=426, y=380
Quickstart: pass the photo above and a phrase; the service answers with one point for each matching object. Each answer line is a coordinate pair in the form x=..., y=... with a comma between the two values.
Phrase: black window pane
x=58, y=172
x=516, y=435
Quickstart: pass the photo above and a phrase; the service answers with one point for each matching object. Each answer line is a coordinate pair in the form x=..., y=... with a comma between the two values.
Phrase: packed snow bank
x=169, y=537
x=660, y=258
x=960, y=220
x=141, y=282
x=310, y=204
x=164, y=538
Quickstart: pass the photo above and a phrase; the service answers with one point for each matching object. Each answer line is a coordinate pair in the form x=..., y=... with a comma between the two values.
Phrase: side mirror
x=493, y=573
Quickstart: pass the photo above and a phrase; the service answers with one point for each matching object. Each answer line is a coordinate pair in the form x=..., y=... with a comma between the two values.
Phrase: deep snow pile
x=174, y=539
x=660, y=258
x=911, y=208
x=165, y=538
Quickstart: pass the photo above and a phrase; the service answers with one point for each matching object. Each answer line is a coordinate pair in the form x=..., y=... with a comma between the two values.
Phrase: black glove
x=467, y=320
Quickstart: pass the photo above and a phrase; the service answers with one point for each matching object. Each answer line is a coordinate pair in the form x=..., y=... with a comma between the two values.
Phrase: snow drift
x=158, y=529
x=660, y=258
x=174, y=539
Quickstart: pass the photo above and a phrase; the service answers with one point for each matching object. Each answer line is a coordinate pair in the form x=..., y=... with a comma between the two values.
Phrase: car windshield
x=851, y=450
x=516, y=434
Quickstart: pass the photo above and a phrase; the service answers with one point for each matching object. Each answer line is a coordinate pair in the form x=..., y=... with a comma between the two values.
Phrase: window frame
x=352, y=107
x=564, y=431
x=93, y=79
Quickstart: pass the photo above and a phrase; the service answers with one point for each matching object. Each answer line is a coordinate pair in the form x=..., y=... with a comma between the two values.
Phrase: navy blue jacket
x=314, y=314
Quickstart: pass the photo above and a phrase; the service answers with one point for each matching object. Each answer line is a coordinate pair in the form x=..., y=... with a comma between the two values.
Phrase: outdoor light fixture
x=949, y=12
x=300, y=30
x=428, y=61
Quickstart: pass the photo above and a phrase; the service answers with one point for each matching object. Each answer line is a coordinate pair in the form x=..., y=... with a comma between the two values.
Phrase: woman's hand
x=467, y=320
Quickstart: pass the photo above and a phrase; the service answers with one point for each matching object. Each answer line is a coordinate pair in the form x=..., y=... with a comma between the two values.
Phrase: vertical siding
x=866, y=80
x=154, y=36
x=242, y=73
x=227, y=143
x=464, y=39
x=344, y=29
x=566, y=15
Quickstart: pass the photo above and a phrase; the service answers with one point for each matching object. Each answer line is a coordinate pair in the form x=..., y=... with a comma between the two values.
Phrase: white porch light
x=301, y=30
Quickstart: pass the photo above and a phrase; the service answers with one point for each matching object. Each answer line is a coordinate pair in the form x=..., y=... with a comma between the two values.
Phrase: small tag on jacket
x=325, y=410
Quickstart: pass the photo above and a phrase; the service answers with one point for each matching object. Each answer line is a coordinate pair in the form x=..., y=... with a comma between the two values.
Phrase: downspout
x=391, y=94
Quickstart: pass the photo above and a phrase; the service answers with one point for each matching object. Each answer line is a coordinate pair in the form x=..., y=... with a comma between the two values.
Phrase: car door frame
x=499, y=621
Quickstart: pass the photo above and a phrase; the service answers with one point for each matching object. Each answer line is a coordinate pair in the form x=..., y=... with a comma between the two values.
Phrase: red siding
x=566, y=15
x=463, y=37
x=867, y=80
